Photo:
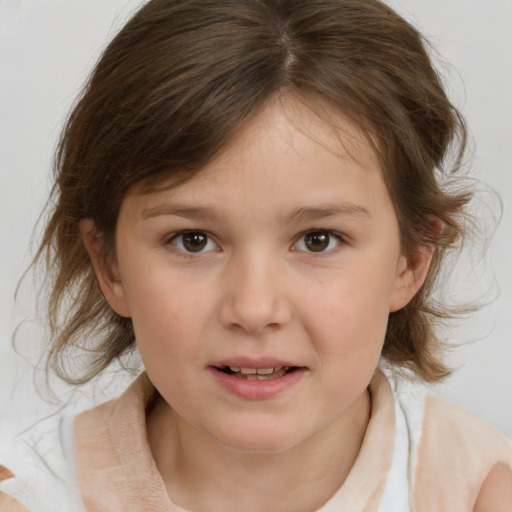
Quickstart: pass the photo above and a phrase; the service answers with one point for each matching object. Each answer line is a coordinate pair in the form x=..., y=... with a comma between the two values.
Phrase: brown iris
x=194, y=241
x=317, y=241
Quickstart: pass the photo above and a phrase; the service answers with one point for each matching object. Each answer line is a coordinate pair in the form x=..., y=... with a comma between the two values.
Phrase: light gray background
x=47, y=48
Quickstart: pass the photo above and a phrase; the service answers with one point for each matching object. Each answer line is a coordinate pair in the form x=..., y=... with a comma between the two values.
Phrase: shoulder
x=38, y=466
x=458, y=455
x=8, y=504
x=455, y=427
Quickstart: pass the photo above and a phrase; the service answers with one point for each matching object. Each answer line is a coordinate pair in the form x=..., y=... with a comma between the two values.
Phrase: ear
x=106, y=270
x=413, y=269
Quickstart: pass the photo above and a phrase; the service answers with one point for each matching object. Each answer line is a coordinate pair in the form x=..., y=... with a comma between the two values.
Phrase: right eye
x=193, y=242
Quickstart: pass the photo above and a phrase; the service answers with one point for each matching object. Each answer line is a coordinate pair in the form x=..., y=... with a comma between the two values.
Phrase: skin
x=496, y=492
x=258, y=290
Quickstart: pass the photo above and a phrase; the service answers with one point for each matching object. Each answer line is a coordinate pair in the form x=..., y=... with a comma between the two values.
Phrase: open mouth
x=257, y=373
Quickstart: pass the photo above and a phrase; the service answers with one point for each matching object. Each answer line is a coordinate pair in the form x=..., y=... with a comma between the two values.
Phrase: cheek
x=167, y=314
x=348, y=314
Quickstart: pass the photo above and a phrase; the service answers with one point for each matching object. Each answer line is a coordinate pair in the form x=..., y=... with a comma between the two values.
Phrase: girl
x=255, y=195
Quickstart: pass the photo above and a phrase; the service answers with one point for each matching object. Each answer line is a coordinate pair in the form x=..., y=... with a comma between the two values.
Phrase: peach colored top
x=418, y=455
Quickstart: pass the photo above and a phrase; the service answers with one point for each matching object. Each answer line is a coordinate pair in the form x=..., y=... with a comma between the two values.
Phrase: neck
x=202, y=475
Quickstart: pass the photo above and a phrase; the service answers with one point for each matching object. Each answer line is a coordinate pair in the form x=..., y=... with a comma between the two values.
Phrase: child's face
x=284, y=253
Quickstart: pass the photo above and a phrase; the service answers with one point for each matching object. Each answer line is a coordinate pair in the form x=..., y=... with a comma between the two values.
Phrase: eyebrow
x=302, y=214
x=322, y=212
x=200, y=213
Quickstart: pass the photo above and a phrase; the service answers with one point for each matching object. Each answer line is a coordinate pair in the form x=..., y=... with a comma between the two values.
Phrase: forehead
x=287, y=163
x=287, y=132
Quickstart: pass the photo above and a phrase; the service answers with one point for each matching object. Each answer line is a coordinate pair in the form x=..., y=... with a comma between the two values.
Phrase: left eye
x=318, y=241
x=193, y=242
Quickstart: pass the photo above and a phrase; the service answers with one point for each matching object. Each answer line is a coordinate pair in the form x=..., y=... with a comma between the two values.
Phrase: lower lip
x=257, y=389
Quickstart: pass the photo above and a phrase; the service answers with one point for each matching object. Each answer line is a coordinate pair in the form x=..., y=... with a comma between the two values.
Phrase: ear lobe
x=411, y=274
x=106, y=271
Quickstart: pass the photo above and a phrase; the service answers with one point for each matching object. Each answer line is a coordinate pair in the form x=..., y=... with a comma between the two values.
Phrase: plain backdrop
x=47, y=48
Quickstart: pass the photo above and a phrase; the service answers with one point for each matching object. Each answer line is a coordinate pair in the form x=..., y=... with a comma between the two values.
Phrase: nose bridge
x=255, y=298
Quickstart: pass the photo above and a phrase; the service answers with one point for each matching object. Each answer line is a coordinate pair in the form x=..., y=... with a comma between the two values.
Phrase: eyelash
x=209, y=240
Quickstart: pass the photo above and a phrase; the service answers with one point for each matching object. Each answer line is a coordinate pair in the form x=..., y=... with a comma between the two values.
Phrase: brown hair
x=180, y=79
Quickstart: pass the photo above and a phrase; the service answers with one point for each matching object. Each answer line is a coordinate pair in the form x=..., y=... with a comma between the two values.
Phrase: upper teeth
x=252, y=371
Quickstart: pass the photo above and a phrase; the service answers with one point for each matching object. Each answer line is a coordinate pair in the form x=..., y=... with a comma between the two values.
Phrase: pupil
x=194, y=242
x=317, y=242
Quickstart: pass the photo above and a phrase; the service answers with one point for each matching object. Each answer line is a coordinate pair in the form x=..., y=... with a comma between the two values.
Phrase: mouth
x=262, y=378
x=257, y=373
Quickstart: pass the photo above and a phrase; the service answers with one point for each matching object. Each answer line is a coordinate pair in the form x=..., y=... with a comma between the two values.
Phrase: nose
x=254, y=298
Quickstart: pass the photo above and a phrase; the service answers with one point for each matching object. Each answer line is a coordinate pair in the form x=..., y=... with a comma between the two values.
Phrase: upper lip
x=251, y=362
